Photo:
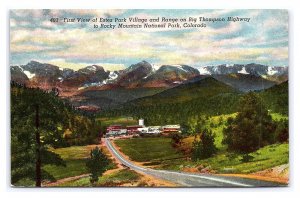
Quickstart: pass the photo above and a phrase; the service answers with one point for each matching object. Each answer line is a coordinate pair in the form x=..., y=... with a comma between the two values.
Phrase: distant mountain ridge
x=93, y=85
x=142, y=74
x=252, y=68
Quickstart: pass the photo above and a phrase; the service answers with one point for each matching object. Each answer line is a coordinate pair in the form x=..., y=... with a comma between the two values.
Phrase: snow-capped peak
x=29, y=74
x=21, y=68
x=204, y=71
x=243, y=71
x=228, y=65
x=155, y=67
x=179, y=67
x=92, y=68
x=271, y=71
x=112, y=75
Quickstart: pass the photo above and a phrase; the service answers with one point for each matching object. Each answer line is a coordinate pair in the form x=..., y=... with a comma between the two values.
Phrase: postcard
x=149, y=98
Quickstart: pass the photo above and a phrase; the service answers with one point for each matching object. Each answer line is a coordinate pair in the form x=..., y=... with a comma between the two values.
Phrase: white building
x=141, y=122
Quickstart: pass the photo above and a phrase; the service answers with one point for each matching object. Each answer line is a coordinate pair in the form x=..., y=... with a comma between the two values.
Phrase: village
x=118, y=130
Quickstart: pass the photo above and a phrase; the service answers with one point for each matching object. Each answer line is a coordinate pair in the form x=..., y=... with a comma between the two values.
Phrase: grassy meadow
x=117, y=120
x=159, y=152
x=148, y=149
x=75, y=158
x=121, y=177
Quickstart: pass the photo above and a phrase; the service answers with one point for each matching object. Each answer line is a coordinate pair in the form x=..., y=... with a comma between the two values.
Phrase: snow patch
x=155, y=67
x=243, y=71
x=21, y=68
x=95, y=84
x=61, y=69
x=179, y=67
x=215, y=68
x=177, y=82
x=228, y=65
x=92, y=68
x=28, y=74
x=271, y=71
x=112, y=75
x=204, y=71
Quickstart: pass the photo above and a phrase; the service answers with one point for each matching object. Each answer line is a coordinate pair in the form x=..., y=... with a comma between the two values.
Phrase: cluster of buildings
x=119, y=130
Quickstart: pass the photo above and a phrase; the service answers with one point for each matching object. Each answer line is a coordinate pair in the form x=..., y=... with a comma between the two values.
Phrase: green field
x=117, y=120
x=75, y=158
x=159, y=151
x=115, y=179
x=152, y=151
x=225, y=162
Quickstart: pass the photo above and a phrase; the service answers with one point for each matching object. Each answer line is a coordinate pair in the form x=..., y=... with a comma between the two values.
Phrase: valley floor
x=270, y=163
x=75, y=174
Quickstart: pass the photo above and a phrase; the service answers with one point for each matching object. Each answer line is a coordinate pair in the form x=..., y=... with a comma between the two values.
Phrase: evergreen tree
x=33, y=131
x=252, y=128
x=282, y=131
x=39, y=120
x=97, y=164
x=204, y=147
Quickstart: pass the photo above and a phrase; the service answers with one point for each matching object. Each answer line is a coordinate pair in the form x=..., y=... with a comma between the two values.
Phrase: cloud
x=76, y=66
x=75, y=45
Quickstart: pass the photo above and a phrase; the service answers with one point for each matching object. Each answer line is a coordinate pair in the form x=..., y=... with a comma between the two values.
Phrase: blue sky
x=263, y=40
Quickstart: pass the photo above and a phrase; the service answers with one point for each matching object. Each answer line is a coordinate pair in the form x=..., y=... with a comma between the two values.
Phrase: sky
x=263, y=40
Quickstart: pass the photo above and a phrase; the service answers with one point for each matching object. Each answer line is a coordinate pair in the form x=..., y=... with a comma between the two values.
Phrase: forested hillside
x=206, y=97
x=41, y=121
x=276, y=98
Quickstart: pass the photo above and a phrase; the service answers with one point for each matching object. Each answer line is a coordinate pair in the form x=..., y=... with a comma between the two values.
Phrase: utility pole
x=38, y=149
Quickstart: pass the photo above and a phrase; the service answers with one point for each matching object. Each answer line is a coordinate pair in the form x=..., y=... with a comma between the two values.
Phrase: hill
x=276, y=98
x=105, y=99
x=206, y=96
x=176, y=105
x=245, y=82
x=201, y=89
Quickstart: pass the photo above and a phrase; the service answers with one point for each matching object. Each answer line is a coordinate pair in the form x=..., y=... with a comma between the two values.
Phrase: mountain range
x=93, y=85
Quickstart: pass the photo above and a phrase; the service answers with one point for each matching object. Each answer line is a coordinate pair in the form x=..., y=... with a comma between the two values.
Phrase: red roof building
x=114, y=128
x=133, y=129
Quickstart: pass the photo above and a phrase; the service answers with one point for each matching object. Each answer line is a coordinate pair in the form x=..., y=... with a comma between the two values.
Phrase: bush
x=247, y=158
x=282, y=131
x=176, y=139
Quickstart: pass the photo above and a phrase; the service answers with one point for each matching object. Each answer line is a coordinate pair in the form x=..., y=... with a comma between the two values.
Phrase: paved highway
x=190, y=179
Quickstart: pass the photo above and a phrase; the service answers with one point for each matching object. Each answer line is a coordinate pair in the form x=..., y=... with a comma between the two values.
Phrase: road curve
x=191, y=179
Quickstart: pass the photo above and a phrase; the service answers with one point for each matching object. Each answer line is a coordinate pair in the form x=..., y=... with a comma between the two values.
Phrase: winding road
x=183, y=179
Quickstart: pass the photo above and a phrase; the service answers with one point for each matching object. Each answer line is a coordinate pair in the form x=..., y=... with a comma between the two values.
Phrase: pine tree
x=34, y=115
x=97, y=164
x=204, y=147
x=252, y=128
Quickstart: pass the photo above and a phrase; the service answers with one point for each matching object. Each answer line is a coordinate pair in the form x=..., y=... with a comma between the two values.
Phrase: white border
x=294, y=77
